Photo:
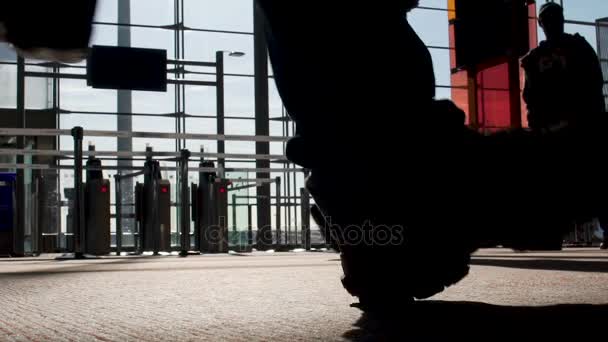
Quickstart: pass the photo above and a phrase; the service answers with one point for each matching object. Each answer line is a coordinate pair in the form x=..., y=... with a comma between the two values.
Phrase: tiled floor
x=263, y=297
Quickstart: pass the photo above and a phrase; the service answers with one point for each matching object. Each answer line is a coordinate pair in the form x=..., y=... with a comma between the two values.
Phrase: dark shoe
x=604, y=245
x=385, y=277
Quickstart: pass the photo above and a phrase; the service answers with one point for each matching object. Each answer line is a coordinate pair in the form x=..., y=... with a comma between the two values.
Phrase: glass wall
x=195, y=30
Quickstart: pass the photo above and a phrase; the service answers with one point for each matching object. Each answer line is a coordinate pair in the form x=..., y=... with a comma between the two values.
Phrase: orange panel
x=451, y=9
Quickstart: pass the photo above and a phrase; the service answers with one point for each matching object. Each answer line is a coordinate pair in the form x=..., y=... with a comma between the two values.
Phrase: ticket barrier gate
x=7, y=213
x=210, y=212
x=153, y=210
x=97, y=210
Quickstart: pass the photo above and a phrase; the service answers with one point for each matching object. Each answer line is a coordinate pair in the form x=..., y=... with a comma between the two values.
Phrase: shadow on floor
x=545, y=264
x=467, y=321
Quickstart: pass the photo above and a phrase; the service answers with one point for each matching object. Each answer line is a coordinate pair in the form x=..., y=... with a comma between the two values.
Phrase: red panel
x=493, y=105
x=460, y=91
x=494, y=108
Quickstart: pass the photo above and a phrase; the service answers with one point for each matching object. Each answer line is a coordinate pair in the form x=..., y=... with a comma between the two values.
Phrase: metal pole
x=234, y=230
x=78, y=219
x=295, y=207
x=288, y=209
x=21, y=215
x=124, y=104
x=118, y=195
x=185, y=203
x=278, y=216
x=156, y=227
x=250, y=225
x=262, y=124
x=305, y=202
x=219, y=74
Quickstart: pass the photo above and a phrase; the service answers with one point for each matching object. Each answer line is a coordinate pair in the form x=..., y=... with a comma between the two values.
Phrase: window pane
x=441, y=65
x=240, y=96
x=38, y=93
x=240, y=127
x=107, y=11
x=8, y=84
x=104, y=35
x=584, y=10
x=435, y=34
x=230, y=15
x=152, y=12
x=202, y=46
x=154, y=124
x=76, y=96
x=149, y=102
x=154, y=39
x=201, y=100
x=201, y=126
x=7, y=53
x=276, y=104
x=89, y=122
x=245, y=147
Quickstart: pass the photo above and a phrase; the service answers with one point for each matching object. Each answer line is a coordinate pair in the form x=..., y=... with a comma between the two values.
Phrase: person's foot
x=604, y=245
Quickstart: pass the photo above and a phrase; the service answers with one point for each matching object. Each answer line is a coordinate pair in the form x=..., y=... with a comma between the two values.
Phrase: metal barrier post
x=156, y=225
x=305, y=209
x=78, y=219
x=118, y=194
x=278, y=213
x=250, y=225
x=234, y=229
x=185, y=203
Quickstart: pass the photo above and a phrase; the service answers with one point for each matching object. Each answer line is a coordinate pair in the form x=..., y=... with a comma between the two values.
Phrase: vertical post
x=156, y=225
x=250, y=225
x=234, y=229
x=220, y=100
x=195, y=215
x=124, y=104
x=288, y=208
x=185, y=203
x=278, y=216
x=305, y=202
x=118, y=196
x=262, y=126
x=295, y=207
x=78, y=218
x=21, y=215
x=36, y=235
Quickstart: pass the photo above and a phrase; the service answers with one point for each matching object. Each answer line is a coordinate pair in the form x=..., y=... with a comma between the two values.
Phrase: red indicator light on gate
x=164, y=190
x=104, y=189
x=222, y=190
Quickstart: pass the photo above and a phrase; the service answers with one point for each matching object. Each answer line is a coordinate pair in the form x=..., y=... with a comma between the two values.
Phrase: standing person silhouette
x=564, y=81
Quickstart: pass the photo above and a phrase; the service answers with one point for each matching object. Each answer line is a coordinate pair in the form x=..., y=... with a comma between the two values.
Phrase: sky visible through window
x=237, y=15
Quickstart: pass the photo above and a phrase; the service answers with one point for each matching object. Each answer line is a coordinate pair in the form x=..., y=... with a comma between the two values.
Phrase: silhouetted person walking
x=392, y=168
x=564, y=81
